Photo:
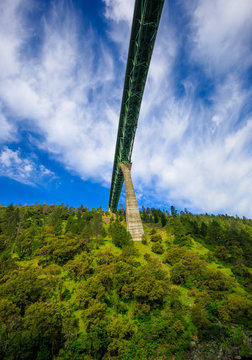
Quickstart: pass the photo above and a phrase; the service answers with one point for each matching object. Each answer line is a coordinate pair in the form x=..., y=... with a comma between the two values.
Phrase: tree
x=200, y=318
x=157, y=248
x=203, y=229
x=95, y=341
x=81, y=267
x=156, y=238
x=10, y=318
x=43, y=325
x=215, y=233
x=222, y=253
x=174, y=212
x=97, y=225
x=163, y=219
x=179, y=274
x=10, y=221
x=94, y=313
x=24, y=287
x=119, y=333
x=120, y=236
x=237, y=309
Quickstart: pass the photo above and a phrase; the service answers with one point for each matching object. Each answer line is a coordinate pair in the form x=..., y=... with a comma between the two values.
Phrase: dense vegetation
x=73, y=285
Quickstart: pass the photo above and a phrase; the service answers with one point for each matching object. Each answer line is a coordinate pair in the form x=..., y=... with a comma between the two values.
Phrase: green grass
x=184, y=297
x=217, y=266
x=199, y=248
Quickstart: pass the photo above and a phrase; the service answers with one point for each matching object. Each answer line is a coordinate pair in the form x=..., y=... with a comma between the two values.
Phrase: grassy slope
x=198, y=247
x=167, y=241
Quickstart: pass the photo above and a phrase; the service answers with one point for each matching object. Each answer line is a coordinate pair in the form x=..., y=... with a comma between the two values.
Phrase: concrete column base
x=133, y=219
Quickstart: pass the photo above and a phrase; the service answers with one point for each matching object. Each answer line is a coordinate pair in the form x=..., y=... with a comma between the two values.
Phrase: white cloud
x=24, y=170
x=221, y=34
x=10, y=38
x=7, y=130
x=119, y=10
x=187, y=152
x=62, y=94
x=119, y=14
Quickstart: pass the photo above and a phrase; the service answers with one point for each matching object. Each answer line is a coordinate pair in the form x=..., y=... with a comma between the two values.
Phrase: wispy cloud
x=221, y=34
x=189, y=151
x=119, y=10
x=24, y=170
x=62, y=93
x=193, y=144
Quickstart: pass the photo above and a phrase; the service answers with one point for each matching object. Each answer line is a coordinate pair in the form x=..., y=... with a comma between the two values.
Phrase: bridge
x=144, y=29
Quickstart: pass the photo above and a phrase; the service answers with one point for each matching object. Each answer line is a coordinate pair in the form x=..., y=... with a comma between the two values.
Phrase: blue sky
x=62, y=69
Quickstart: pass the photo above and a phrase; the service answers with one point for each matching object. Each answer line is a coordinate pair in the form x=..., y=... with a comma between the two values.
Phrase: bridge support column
x=133, y=220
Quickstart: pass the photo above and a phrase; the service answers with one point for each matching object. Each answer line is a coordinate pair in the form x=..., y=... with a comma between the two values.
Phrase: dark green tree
x=120, y=236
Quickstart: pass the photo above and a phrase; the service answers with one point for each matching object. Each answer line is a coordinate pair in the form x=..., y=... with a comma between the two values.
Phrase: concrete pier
x=134, y=223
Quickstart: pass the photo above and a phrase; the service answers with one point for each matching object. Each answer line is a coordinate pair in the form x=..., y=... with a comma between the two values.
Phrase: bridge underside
x=143, y=34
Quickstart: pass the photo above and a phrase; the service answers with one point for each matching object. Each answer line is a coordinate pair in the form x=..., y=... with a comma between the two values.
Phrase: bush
x=129, y=251
x=200, y=317
x=156, y=238
x=147, y=257
x=179, y=274
x=183, y=240
x=103, y=232
x=120, y=236
x=157, y=248
x=153, y=231
x=144, y=240
x=236, y=309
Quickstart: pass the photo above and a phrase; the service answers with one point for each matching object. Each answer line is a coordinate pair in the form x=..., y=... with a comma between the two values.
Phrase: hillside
x=73, y=285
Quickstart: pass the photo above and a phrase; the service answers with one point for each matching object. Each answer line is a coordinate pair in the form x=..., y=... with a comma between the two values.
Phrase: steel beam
x=145, y=23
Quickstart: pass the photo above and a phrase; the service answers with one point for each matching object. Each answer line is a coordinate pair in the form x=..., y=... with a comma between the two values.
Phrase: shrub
x=153, y=231
x=144, y=240
x=147, y=257
x=120, y=236
x=156, y=238
x=183, y=240
x=236, y=308
x=179, y=274
x=200, y=317
x=157, y=248
x=176, y=254
x=103, y=232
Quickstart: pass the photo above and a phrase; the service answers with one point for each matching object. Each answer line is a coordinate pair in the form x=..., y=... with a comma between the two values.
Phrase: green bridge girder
x=145, y=23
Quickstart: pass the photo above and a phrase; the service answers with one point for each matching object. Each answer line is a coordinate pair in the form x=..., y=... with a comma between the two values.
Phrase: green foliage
x=43, y=324
x=119, y=333
x=175, y=254
x=189, y=270
x=103, y=232
x=236, y=309
x=105, y=256
x=183, y=240
x=24, y=287
x=153, y=231
x=80, y=267
x=61, y=297
x=9, y=316
x=95, y=341
x=157, y=248
x=179, y=274
x=120, y=236
x=151, y=284
x=156, y=238
x=59, y=251
x=144, y=240
x=96, y=225
x=200, y=318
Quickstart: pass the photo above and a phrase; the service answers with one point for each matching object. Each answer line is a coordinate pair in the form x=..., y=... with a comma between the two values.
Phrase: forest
x=73, y=285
